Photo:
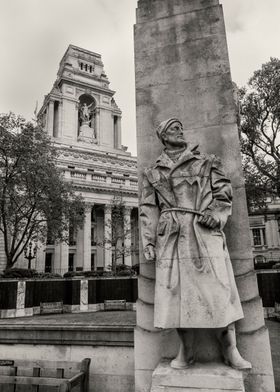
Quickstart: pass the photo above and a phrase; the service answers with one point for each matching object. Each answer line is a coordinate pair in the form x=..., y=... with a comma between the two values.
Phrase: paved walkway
x=127, y=318
x=118, y=318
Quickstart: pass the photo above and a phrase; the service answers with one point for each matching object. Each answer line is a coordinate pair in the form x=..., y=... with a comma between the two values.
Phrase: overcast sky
x=34, y=35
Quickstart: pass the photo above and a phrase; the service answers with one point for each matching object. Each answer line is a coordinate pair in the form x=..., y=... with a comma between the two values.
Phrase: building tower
x=84, y=122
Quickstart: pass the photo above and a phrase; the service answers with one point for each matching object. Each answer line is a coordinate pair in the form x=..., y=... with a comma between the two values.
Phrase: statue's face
x=174, y=135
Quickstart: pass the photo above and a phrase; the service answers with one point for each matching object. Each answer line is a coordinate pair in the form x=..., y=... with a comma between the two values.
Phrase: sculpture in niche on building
x=185, y=203
x=85, y=112
x=87, y=132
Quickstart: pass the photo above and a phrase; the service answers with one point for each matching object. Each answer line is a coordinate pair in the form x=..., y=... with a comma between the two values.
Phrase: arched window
x=259, y=259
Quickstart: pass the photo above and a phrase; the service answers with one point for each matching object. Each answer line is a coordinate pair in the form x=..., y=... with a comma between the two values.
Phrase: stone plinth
x=201, y=377
x=87, y=134
x=182, y=70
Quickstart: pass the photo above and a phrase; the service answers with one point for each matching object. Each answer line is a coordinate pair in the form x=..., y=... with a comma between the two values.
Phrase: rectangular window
x=257, y=239
x=116, y=136
x=72, y=235
x=71, y=262
x=92, y=262
x=48, y=262
x=55, y=118
x=50, y=240
x=93, y=241
x=264, y=236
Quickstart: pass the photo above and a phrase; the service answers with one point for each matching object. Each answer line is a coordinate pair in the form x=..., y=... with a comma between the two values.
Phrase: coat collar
x=189, y=153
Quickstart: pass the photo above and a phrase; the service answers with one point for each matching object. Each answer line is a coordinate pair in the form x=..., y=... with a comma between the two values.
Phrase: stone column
x=119, y=125
x=269, y=233
x=50, y=117
x=61, y=258
x=64, y=258
x=76, y=117
x=97, y=124
x=182, y=70
x=87, y=239
x=40, y=257
x=127, y=235
x=272, y=232
x=107, y=236
x=60, y=117
x=80, y=248
x=276, y=233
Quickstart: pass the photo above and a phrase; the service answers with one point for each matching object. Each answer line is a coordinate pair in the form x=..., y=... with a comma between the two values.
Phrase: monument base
x=86, y=134
x=200, y=377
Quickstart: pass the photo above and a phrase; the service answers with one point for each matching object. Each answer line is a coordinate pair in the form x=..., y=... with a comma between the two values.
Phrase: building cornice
x=97, y=156
x=105, y=189
x=88, y=86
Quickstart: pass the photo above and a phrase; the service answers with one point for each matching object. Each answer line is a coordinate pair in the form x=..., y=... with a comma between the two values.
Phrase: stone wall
x=76, y=295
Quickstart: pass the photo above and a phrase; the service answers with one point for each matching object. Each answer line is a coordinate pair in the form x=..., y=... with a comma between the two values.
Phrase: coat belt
x=182, y=209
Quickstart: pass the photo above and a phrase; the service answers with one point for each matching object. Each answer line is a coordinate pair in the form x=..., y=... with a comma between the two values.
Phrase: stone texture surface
x=21, y=294
x=199, y=377
x=177, y=76
x=84, y=295
x=111, y=368
x=147, y=288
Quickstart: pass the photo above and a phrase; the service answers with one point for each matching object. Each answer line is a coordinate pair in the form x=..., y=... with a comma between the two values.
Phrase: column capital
x=88, y=208
x=107, y=208
x=127, y=210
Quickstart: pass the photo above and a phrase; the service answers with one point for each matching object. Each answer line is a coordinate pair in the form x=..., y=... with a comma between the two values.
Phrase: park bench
x=51, y=307
x=118, y=304
x=35, y=376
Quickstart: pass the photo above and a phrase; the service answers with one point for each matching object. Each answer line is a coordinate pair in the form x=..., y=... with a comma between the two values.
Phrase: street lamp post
x=30, y=253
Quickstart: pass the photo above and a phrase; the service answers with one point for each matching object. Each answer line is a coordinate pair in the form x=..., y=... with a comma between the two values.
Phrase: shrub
x=124, y=270
x=268, y=265
x=47, y=275
x=72, y=274
x=19, y=273
x=93, y=274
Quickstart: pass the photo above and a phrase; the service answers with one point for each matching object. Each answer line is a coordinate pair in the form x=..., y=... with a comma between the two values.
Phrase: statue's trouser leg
x=232, y=357
x=185, y=354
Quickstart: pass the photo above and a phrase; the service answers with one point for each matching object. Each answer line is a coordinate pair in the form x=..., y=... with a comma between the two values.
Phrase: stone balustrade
x=88, y=177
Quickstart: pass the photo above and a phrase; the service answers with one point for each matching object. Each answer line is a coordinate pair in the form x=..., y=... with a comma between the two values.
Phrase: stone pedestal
x=182, y=70
x=86, y=134
x=201, y=377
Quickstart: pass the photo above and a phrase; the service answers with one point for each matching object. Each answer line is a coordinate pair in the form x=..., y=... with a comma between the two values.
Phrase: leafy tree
x=259, y=128
x=34, y=198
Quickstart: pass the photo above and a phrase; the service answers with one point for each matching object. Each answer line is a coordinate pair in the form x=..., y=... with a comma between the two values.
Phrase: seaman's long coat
x=195, y=286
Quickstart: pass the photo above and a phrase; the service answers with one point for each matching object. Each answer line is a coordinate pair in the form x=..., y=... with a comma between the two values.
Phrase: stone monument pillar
x=182, y=71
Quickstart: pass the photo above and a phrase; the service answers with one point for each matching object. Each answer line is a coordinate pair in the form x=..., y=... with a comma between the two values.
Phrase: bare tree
x=259, y=126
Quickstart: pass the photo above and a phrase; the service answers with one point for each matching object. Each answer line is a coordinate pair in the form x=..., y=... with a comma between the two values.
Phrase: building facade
x=84, y=122
x=265, y=236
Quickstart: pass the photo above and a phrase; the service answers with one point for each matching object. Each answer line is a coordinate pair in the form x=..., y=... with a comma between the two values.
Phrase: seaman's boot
x=185, y=356
x=232, y=357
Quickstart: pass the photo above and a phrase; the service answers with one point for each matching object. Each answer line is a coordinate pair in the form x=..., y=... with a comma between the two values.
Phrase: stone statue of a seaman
x=185, y=204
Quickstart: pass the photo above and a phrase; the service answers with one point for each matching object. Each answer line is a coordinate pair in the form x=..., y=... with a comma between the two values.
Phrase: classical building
x=265, y=236
x=84, y=122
